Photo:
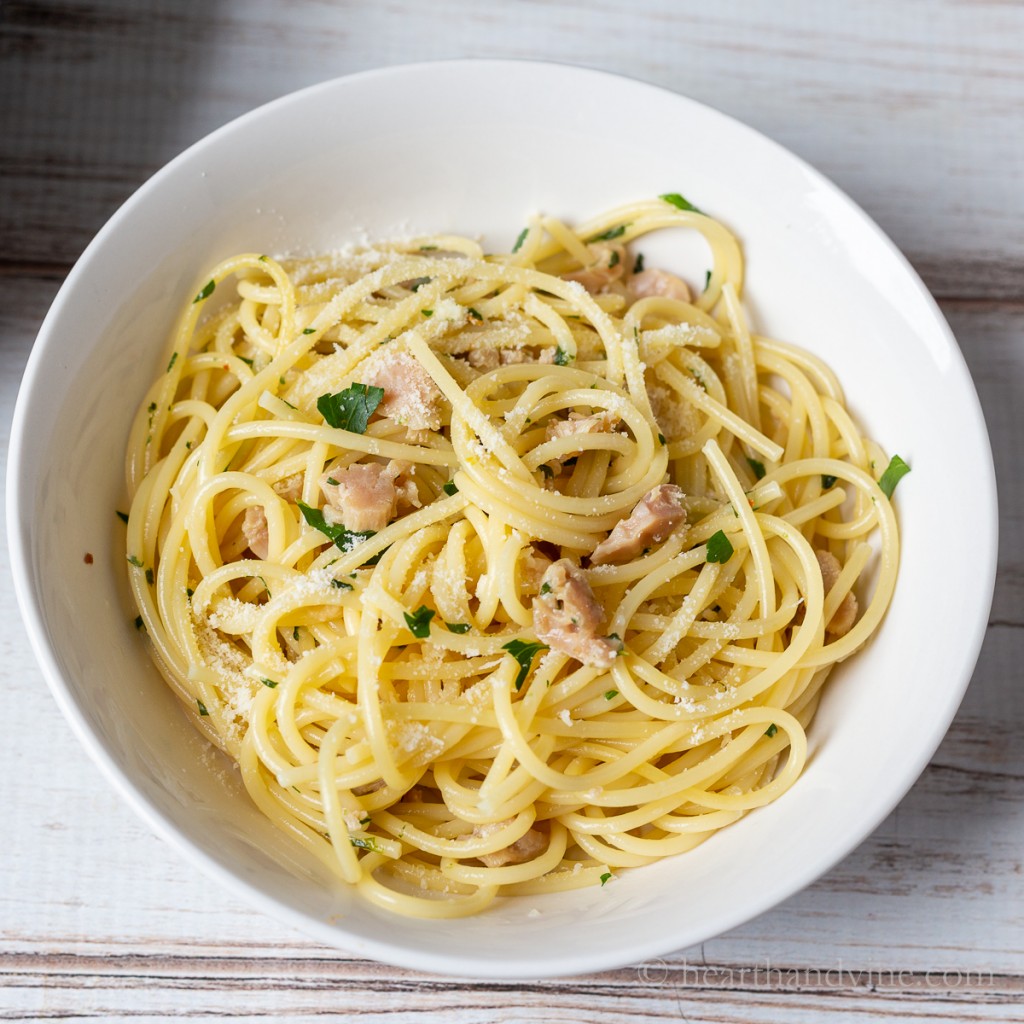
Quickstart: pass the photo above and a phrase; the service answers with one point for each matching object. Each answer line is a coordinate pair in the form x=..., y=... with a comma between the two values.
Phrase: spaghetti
x=497, y=574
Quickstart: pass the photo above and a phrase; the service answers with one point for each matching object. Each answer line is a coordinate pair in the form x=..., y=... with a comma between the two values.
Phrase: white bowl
x=473, y=147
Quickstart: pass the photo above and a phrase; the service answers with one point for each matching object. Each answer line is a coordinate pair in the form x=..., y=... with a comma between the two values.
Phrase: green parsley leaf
x=295, y=633
x=562, y=358
x=341, y=585
x=189, y=592
x=606, y=877
x=205, y=292
x=174, y=359
x=268, y=682
x=524, y=652
x=611, y=694
x=457, y=627
x=676, y=200
x=771, y=730
x=474, y=313
x=545, y=588
x=661, y=439
x=135, y=560
x=427, y=248
x=520, y=240
x=123, y=516
x=707, y=279
x=332, y=481
x=202, y=707
x=613, y=260
x=139, y=624
x=828, y=481
x=606, y=236
x=263, y=259
x=894, y=473
x=365, y=843
x=719, y=547
x=352, y=408
x=450, y=488
x=309, y=330
x=419, y=621
x=427, y=312
x=149, y=576
x=344, y=540
x=638, y=266
x=757, y=466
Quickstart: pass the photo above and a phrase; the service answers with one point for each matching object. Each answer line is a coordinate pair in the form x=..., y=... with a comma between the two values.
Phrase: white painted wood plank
x=310, y=991
x=913, y=108
x=940, y=886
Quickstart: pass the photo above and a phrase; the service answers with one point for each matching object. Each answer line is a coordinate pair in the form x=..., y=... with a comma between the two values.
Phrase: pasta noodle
x=499, y=574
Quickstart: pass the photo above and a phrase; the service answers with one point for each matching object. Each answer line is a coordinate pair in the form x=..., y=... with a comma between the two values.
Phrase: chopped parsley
x=427, y=312
x=139, y=624
x=661, y=439
x=676, y=200
x=419, y=621
x=613, y=260
x=606, y=236
x=295, y=633
x=174, y=359
x=719, y=547
x=520, y=240
x=352, y=408
x=427, y=248
x=457, y=627
x=123, y=516
x=894, y=473
x=309, y=330
x=205, y=292
x=202, y=707
x=365, y=843
x=474, y=313
x=638, y=265
x=450, y=488
x=606, y=877
x=341, y=585
x=562, y=358
x=135, y=560
x=828, y=481
x=707, y=279
x=149, y=576
x=524, y=652
x=611, y=694
x=757, y=466
x=771, y=730
x=545, y=588
x=268, y=682
x=344, y=540
x=332, y=481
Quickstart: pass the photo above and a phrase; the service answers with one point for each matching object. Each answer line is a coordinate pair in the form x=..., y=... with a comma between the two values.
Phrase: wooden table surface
x=917, y=110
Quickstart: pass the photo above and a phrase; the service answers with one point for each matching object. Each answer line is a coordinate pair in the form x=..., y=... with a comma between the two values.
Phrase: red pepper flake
x=88, y=558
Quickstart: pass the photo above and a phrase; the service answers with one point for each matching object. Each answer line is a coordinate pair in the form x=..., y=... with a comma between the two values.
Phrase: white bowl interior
x=352, y=158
